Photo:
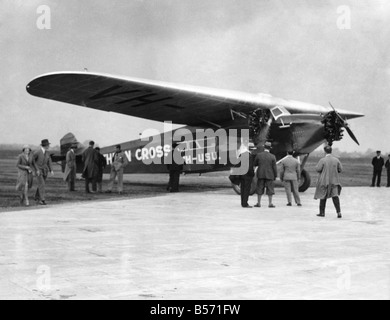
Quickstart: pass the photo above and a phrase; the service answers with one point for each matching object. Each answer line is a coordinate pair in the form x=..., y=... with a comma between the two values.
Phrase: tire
x=305, y=181
x=237, y=189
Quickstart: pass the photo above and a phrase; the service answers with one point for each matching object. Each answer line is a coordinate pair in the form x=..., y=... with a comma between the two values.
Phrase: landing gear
x=237, y=189
x=305, y=181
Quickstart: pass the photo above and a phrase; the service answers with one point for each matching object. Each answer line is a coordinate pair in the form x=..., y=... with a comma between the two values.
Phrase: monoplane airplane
x=289, y=125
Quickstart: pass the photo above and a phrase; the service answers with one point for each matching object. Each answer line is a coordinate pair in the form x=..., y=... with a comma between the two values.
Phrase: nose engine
x=334, y=127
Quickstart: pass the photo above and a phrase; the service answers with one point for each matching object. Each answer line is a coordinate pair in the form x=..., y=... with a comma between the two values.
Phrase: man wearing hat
x=378, y=162
x=266, y=173
x=70, y=168
x=329, y=182
x=290, y=175
x=90, y=172
x=44, y=166
x=117, y=168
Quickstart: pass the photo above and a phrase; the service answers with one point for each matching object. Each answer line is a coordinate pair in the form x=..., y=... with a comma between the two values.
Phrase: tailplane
x=67, y=141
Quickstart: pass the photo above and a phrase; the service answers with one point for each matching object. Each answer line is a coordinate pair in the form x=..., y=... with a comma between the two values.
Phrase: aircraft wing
x=156, y=100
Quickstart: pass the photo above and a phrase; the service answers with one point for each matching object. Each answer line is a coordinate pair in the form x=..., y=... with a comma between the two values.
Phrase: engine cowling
x=259, y=123
x=334, y=127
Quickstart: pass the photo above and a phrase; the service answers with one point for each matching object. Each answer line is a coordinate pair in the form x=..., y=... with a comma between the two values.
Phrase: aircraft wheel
x=237, y=189
x=305, y=181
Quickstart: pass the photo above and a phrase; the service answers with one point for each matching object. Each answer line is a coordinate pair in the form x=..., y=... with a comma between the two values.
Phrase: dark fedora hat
x=45, y=143
x=268, y=145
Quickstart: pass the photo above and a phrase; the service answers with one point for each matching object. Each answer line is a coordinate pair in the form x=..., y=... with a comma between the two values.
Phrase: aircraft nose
x=350, y=114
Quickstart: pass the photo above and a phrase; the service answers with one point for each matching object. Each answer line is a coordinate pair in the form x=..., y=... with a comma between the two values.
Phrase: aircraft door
x=200, y=155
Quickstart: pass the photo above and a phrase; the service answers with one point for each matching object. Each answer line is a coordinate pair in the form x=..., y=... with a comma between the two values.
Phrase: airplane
x=289, y=125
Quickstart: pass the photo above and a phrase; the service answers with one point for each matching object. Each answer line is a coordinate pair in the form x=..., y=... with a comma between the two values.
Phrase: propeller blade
x=338, y=114
x=346, y=126
x=351, y=134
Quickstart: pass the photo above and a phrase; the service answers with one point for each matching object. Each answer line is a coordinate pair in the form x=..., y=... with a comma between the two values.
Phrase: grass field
x=357, y=172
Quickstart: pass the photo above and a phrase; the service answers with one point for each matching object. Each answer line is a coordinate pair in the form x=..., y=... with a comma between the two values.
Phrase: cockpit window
x=279, y=111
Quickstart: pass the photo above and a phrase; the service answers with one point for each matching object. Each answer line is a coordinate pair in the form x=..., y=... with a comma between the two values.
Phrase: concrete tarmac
x=198, y=246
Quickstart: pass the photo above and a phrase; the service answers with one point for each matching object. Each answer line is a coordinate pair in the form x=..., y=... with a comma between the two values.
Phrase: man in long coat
x=329, y=184
x=90, y=172
x=70, y=168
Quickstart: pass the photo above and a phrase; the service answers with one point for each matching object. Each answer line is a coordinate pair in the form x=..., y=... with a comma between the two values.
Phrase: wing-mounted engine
x=259, y=126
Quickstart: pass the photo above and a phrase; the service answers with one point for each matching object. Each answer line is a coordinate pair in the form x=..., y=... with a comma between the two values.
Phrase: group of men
x=378, y=163
x=94, y=164
x=328, y=186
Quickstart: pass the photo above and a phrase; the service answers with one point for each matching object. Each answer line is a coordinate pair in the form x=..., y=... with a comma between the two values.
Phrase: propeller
x=345, y=125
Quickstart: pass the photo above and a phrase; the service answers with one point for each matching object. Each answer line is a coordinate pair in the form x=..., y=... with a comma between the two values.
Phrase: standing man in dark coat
x=246, y=178
x=44, y=165
x=90, y=172
x=175, y=170
x=266, y=173
x=388, y=171
x=378, y=162
x=102, y=163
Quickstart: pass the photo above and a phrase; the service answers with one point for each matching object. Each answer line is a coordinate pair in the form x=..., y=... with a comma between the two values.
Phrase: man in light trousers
x=290, y=176
x=119, y=163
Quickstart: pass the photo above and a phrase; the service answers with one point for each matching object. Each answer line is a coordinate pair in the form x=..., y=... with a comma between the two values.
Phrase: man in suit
x=90, y=172
x=329, y=183
x=175, y=169
x=246, y=177
x=266, y=174
x=70, y=168
x=119, y=163
x=290, y=175
x=44, y=165
x=378, y=162
x=388, y=171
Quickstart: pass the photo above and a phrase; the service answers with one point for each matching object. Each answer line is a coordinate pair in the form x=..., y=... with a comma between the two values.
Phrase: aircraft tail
x=67, y=141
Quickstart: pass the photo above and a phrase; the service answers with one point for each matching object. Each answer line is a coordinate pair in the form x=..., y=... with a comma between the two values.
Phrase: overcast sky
x=291, y=49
